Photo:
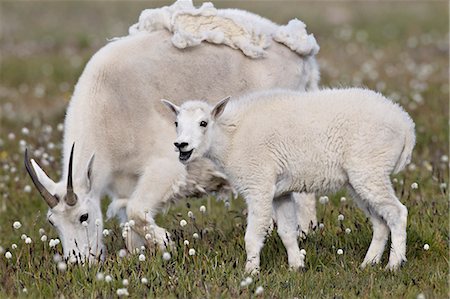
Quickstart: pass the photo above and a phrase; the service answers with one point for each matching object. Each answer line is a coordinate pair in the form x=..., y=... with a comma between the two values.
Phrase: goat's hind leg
x=285, y=213
x=380, y=232
x=378, y=194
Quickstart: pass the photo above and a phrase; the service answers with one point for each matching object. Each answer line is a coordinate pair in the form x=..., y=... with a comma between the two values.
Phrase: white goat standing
x=277, y=142
x=115, y=113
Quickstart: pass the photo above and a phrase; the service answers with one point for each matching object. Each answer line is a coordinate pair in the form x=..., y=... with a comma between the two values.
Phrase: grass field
x=400, y=49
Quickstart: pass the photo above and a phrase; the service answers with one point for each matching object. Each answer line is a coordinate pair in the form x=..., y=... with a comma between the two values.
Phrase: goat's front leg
x=259, y=220
x=153, y=190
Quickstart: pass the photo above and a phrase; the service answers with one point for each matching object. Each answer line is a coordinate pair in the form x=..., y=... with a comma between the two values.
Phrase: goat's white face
x=194, y=123
x=74, y=212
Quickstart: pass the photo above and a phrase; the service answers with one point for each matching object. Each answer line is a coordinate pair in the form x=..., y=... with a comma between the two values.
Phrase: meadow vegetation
x=399, y=49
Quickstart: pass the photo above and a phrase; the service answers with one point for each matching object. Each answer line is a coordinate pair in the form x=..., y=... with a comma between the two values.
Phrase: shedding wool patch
x=235, y=28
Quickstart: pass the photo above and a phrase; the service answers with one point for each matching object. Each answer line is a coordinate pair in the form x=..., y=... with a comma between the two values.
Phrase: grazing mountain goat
x=115, y=114
x=277, y=142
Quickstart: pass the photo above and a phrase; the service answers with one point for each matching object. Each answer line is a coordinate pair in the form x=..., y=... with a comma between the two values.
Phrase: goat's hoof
x=394, y=267
x=251, y=268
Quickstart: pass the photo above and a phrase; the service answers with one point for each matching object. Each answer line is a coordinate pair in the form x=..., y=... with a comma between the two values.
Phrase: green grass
x=398, y=49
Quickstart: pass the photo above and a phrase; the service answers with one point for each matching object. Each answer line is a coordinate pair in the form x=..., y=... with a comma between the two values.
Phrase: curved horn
x=51, y=200
x=71, y=197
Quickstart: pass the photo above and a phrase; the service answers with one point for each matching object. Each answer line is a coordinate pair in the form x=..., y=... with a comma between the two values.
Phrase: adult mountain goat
x=277, y=142
x=115, y=114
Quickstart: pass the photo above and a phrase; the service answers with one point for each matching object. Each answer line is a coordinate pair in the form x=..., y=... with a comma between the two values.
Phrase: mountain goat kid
x=277, y=142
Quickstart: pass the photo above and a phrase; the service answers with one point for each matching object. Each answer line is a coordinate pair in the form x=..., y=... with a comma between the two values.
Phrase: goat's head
x=74, y=209
x=194, y=124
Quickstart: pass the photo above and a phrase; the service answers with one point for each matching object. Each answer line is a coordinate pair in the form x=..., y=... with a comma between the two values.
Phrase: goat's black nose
x=181, y=145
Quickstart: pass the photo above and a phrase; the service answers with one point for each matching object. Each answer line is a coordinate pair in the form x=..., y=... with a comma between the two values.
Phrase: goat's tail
x=405, y=156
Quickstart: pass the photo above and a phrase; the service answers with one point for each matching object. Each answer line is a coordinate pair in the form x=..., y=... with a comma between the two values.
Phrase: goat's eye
x=176, y=124
x=84, y=217
x=203, y=124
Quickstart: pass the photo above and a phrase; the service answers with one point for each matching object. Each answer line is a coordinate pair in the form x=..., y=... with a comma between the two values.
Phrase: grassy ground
x=400, y=49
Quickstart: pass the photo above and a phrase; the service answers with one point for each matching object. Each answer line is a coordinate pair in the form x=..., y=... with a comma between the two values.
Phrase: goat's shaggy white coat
x=235, y=28
x=276, y=142
x=115, y=113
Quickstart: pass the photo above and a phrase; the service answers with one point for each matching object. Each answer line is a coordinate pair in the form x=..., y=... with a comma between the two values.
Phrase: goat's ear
x=89, y=172
x=43, y=178
x=219, y=108
x=175, y=109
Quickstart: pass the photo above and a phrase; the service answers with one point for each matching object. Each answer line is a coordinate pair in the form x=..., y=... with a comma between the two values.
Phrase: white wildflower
x=23, y=237
x=426, y=247
x=62, y=266
x=186, y=242
x=25, y=131
x=348, y=230
x=57, y=258
x=141, y=258
x=108, y=278
x=14, y=246
x=122, y=292
x=259, y=290
x=166, y=256
x=125, y=282
x=105, y=232
x=202, y=209
x=414, y=186
x=27, y=189
x=144, y=280
x=28, y=240
x=444, y=158
x=343, y=199
x=41, y=231
x=100, y=276
x=302, y=251
x=321, y=225
x=183, y=223
x=340, y=217
x=421, y=296
x=17, y=225
x=52, y=243
x=195, y=236
x=8, y=255
x=192, y=251
x=122, y=253
x=248, y=280
x=190, y=214
x=323, y=199
x=340, y=251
